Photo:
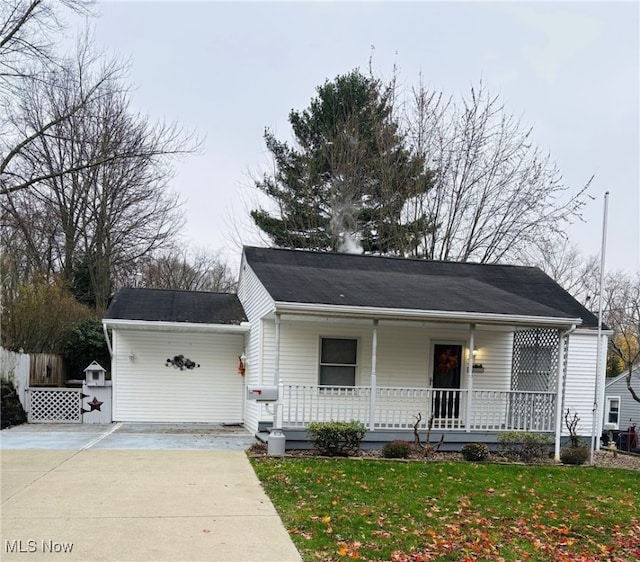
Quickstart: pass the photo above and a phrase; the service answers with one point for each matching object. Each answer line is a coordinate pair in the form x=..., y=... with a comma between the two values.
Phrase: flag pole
x=594, y=424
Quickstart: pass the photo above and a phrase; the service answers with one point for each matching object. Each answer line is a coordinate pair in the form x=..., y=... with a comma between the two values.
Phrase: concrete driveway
x=135, y=492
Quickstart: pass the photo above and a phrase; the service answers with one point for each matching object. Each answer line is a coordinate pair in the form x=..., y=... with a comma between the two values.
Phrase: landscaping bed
x=603, y=459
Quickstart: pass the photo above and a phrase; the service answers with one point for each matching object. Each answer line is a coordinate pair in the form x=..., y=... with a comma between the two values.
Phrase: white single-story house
x=477, y=349
x=620, y=409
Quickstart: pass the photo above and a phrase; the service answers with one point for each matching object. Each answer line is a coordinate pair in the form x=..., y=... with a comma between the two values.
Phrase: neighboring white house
x=478, y=349
x=620, y=409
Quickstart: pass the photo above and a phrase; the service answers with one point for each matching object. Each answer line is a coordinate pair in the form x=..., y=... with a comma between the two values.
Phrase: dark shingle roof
x=164, y=305
x=296, y=276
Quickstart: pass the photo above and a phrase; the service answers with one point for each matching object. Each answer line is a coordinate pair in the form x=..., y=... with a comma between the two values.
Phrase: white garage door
x=146, y=390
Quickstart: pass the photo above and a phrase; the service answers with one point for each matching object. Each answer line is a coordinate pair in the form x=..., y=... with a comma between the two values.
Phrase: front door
x=447, y=365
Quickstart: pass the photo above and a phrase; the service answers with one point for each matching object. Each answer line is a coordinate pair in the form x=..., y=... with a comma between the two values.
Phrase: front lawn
x=340, y=509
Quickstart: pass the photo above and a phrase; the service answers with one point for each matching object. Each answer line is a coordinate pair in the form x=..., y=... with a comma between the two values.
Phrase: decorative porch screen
x=338, y=359
x=535, y=360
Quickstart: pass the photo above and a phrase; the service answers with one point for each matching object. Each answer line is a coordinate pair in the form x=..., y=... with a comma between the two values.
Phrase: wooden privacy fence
x=46, y=369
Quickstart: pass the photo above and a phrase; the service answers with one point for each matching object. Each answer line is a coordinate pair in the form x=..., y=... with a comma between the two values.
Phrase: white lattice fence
x=55, y=405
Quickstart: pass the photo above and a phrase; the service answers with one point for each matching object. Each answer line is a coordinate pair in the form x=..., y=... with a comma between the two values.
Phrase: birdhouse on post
x=94, y=374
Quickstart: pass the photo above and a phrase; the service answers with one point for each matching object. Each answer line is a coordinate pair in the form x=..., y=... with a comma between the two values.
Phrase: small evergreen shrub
x=336, y=438
x=574, y=455
x=396, y=450
x=509, y=443
x=524, y=446
x=475, y=452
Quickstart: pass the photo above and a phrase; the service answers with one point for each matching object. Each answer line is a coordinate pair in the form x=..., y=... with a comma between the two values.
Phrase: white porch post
x=374, y=360
x=277, y=414
x=472, y=343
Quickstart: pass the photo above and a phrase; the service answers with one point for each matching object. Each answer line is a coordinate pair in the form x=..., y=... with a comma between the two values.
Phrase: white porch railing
x=302, y=404
x=398, y=408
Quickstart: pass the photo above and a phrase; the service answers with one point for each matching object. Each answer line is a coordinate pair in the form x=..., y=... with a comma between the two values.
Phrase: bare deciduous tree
x=29, y=63
x=28, y=32
x=494, y=193
x=622, y=315
x=563, y=262
x=197, y=270
x=104, y=216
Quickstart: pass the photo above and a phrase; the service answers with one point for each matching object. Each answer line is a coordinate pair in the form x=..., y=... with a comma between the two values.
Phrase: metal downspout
x=106, y=337
x=113, y=373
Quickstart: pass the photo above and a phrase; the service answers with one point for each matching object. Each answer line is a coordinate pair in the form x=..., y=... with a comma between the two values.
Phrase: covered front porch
x=467, y=381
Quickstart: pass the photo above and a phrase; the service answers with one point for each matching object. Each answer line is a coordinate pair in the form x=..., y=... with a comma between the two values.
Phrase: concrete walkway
x=89, y=503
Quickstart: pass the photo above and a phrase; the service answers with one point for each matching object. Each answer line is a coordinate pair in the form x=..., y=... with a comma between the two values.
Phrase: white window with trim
x=612, y=412
x=338, y=361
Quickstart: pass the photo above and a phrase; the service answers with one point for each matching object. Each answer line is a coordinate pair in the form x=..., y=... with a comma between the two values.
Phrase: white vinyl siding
x=256, y=302
x=255, y=299
x=581, y=379
x=403, y=353
x=146, y=390
x=495, y=352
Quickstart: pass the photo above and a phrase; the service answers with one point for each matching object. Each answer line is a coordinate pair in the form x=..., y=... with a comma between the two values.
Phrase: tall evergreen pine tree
x=349, y=176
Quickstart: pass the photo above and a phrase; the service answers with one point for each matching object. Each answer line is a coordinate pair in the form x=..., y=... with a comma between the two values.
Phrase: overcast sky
x=228, y=70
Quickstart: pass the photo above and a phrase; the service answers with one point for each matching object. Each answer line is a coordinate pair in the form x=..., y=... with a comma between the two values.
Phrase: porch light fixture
x=181, y=362
x=476, y=367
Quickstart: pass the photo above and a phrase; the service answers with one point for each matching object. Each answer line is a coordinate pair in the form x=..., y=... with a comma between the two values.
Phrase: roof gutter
x=158, y=326
x=314, y=309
